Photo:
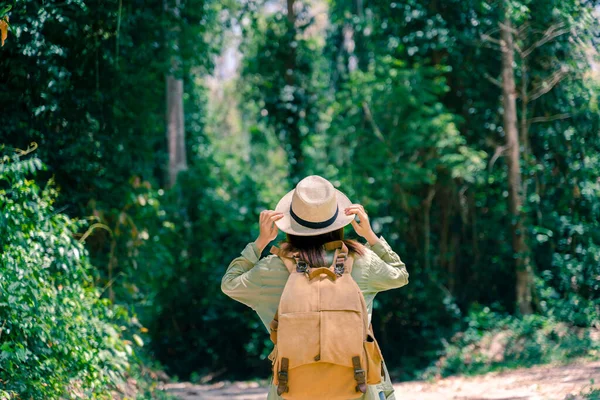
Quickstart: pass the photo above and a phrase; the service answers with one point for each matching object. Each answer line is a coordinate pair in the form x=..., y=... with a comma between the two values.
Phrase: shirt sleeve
x=387, y=271
x=243, y=282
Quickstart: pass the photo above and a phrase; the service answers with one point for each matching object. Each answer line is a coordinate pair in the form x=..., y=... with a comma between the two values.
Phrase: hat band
x=314, y=225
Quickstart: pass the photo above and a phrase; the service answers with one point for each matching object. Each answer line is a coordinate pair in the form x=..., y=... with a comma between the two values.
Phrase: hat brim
x=288, y=225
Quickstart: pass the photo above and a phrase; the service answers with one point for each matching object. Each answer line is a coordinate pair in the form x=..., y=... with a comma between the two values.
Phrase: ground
x=537, y=383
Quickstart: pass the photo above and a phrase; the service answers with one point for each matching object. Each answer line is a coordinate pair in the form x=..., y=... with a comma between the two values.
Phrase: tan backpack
x=324, y=344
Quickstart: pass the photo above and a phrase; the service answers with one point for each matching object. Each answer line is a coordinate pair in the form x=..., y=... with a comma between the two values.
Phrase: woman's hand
x=268, y=229
x=362, y=228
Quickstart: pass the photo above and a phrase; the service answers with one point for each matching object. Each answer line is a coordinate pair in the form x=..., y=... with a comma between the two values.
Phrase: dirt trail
x=537, y=383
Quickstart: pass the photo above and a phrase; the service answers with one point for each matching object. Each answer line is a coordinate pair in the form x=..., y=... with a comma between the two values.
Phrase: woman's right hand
x=362, y=228
x=268, y=229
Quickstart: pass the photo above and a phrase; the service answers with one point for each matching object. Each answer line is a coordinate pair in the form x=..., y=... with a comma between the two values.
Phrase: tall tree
x=523, y=39
x=513, y=159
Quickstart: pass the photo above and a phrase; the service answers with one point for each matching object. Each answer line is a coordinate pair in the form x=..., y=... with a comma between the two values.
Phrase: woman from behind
x=313, y=216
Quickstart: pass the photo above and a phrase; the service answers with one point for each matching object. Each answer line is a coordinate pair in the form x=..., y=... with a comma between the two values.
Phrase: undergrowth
x=494, y=340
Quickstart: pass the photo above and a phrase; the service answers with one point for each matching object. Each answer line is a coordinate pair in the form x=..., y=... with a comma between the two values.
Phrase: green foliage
x=58, y=338
x=560, y=169
x=85, y=80
x=279, y=77
x=208, y=210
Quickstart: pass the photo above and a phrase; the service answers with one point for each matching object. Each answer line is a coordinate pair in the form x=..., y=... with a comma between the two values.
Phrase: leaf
x=138, y=340
x=3, y=29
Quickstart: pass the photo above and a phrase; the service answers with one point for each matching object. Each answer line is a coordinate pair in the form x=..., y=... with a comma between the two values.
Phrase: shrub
x=494, y=340
x=58, y=338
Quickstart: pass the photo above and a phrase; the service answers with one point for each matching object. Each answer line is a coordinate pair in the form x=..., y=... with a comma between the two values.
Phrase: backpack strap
x=273, y=327
x=360, y=375
x=282, y=377
x=290, y=263
x=343, y=262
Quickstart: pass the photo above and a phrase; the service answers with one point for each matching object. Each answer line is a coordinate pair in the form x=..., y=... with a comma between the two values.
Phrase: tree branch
x=508, y=28
x=487, y=38
x=549, y=119
x=552, y=32
x=499, y=151
x=522, y=28
x=493, y=80
x=549, y=83
x=369, y=118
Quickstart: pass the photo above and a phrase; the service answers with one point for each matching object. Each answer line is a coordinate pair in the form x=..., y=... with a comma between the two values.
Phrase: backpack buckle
x=359, y=375
x=283, y=377
x=301, y=266
x=339, y=265
x=282, y=386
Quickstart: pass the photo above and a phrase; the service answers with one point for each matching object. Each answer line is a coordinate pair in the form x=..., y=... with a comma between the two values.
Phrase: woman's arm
x=387, y=271
x=242, y=281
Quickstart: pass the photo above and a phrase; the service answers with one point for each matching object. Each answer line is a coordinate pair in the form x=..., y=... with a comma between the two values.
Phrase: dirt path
x=537, y=383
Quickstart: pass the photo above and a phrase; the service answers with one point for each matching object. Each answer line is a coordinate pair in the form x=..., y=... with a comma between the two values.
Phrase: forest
x=141, y=139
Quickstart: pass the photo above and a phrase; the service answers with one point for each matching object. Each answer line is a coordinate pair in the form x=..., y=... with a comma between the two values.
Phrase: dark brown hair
x=311, y=247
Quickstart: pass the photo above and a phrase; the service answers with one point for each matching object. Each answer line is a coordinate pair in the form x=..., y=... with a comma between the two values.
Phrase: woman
x=312, y=214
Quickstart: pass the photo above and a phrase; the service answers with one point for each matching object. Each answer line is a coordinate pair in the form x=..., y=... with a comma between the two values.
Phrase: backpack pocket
x=298, y=337
x=374, y=360
x=342, y=334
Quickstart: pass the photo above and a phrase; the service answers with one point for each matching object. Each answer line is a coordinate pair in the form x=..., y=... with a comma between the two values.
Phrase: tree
x=524, y=40
x=509, y=101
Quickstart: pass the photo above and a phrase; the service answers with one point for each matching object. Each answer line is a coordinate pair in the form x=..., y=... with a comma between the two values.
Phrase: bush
x=496, y=340
x=58, y=338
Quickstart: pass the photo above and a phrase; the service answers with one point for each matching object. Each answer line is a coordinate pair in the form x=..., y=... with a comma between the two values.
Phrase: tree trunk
x=447, y=251
x=291, y=15
x=175, y=115
x=358, y=5
x=175, y=128
x=445, y=207
x=453, y=265
x=523, y=269
x=427, y=227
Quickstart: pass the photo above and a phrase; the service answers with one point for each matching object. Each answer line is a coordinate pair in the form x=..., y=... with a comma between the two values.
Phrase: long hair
x=311, y=247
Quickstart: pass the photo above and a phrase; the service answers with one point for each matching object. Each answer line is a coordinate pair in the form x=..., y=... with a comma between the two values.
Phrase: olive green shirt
x=258, y=283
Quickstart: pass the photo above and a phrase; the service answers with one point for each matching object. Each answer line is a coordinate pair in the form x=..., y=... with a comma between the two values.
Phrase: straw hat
x=312, y=208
